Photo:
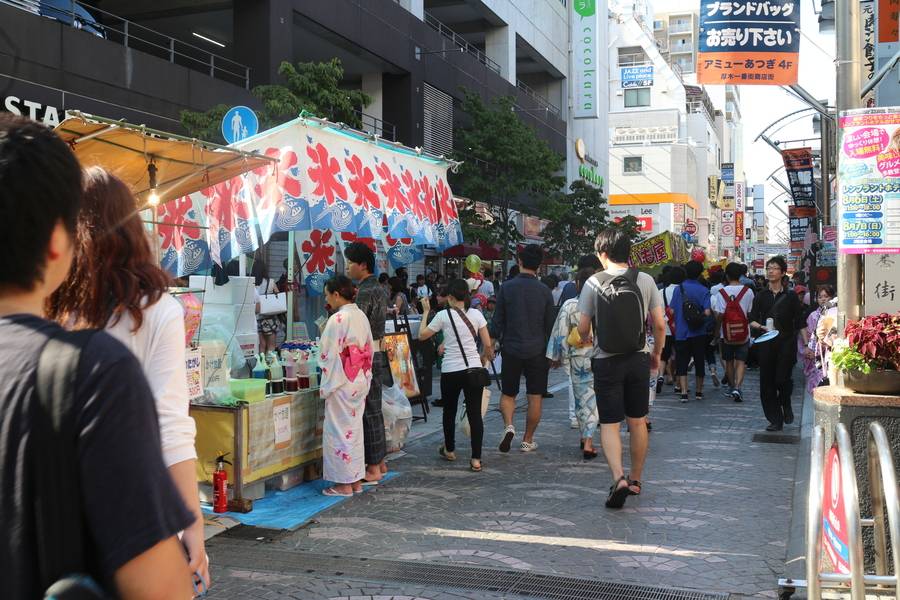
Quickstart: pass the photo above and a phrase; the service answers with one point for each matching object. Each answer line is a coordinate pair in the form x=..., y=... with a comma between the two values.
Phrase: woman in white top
x=266, y=325
x=115, y=284
x=468, y=325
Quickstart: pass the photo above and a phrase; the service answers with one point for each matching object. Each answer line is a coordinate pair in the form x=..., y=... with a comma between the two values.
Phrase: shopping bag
x=462, y=418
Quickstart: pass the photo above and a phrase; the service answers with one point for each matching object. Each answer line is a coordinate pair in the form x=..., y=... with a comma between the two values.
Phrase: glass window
x=633, y=164
x=637, y=97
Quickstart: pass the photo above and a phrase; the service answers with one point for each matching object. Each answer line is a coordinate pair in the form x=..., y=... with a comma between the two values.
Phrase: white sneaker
x=573, y=423
x=528, y=446
x=508, y=434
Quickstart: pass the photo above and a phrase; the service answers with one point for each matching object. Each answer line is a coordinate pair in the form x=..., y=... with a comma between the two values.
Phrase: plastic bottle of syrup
x=277, y=372
x=290, y=372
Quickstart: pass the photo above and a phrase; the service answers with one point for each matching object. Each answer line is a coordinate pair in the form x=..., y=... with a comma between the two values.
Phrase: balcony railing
x=372, y=124
x=681, y=28
x=460, y=42
x=100, y=23
x=541, y=101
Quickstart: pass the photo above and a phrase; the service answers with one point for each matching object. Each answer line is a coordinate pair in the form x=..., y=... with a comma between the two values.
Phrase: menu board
x=869, y=174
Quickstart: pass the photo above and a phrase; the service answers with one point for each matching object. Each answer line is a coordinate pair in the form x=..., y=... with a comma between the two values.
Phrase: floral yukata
x=577, y=363
x=346, y=359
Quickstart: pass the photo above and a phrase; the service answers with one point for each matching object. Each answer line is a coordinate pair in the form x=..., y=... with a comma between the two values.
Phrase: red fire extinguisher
x=220, y=485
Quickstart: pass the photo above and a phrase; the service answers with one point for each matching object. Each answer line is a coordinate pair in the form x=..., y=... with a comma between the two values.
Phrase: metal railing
x=541, y=101
x=103, y=24
x=681, y=28
x=461, y=42
x=883, y=491
x=374, y=125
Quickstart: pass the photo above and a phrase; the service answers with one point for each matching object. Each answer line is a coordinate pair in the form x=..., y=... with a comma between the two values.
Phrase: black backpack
x=620, y=318
x=691, y=311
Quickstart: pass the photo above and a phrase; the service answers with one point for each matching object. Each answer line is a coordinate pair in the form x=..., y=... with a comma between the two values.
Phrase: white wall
x=544, y=24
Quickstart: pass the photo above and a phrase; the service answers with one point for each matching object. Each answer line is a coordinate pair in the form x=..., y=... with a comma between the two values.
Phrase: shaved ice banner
x=324, y=179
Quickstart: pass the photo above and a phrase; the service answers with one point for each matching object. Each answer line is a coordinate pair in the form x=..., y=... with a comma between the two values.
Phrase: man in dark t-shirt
x=130, y=510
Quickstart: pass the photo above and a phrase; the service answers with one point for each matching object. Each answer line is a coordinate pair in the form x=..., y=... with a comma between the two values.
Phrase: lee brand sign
x=585, y=35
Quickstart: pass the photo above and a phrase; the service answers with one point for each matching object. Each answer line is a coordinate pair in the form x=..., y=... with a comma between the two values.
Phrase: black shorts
x=535, y=370
x=686, y=349
x=735, y=351
x=621, y=384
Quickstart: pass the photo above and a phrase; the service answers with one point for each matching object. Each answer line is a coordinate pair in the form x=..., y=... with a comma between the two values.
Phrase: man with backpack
x=83, y=487
x=690, y=303
x=615, y=304
x=731, y=305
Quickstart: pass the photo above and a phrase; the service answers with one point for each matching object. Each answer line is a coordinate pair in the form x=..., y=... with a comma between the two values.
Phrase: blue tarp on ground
x=289, y=509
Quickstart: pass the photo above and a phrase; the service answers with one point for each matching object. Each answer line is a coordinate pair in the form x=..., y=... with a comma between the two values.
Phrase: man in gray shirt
x=622, y=379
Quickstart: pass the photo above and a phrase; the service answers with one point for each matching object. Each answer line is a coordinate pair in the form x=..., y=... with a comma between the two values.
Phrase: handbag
x=272, y=304
x=574, y=339
x=462, y=418
x=475, y=376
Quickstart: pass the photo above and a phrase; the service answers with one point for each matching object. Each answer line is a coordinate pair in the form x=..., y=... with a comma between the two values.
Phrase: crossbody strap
x=58, y=511
x=458, y=341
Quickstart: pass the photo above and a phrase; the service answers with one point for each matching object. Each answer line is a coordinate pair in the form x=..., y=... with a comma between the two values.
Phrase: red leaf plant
x=877, y=338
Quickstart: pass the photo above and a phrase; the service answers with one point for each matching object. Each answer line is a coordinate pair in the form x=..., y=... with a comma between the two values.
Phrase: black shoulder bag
x=59, y=519
x=475, y=376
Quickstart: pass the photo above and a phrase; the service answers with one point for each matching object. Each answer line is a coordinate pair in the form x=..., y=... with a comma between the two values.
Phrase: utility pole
x=849, y=54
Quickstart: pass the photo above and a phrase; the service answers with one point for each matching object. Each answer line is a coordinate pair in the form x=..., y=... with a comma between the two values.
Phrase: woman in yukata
x=345, y=353
x=566, y=349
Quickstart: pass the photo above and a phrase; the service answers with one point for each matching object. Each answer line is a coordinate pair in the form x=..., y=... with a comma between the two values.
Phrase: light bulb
x=153, y=199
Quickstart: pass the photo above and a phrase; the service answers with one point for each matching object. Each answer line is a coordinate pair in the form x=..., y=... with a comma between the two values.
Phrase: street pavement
x=714, y=514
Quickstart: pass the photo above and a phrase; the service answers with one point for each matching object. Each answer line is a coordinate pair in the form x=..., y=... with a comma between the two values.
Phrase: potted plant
x=870, y=356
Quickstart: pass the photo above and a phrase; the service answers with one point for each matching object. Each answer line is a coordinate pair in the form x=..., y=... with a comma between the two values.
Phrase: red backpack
x=670, y=314
x=735, y=324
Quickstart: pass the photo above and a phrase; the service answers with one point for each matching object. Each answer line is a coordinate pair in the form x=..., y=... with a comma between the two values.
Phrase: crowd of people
x=111, y=435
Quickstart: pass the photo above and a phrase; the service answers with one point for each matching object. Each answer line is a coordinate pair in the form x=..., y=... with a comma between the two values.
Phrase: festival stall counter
x=329, y=186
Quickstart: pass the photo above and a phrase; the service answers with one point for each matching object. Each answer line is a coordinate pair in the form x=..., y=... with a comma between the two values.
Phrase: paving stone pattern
x=713, y=517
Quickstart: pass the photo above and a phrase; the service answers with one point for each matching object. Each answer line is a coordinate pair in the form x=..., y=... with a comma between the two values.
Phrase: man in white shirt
x=487, y=286
x=734, y=355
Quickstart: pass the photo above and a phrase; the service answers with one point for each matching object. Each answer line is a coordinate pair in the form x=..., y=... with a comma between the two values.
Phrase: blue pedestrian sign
x=238, y=124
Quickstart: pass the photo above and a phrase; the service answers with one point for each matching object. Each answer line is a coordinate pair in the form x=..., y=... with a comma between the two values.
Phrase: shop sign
x=869, y=174
x=663, y=248
x=835, y=537
x=690, y=228
x=46, y=114
x=739, y=226
x=888, y=22
x=644, y=214
x=728, y=216
x=193, y=362
x=281, y=416
x=800, y=219
x=637, y=77
x=585, y=35
x=588, y=169
x=798, y=164
x=882, y=284
x=747, y=42
x=739, y=191
x=712, y=188
x=867, y=22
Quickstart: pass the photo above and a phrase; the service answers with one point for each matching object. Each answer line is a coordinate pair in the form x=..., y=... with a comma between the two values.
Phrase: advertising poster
x=397, y=347
x=835, y=537
x=798, y=164
x=193, y=362
x=637, y=77
x=869, y=174
x=749, y=43
x=800, y=219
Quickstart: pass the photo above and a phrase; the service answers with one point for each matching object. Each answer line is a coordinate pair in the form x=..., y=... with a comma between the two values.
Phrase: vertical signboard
x=585, y=36
x=728, y=181
x=798, y=164
x=738, y=227
x=867, y=22
x=882, y=284
x=727, y=229
x=869, y=172
x=747, y=42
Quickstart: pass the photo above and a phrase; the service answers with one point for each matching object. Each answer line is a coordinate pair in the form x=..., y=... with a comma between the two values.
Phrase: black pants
x=776, y=364
x=451, y=385
x=374, y=443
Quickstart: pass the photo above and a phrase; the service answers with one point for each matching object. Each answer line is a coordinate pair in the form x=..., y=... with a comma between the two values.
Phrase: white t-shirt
x=717, y=302
x=667, y=301
x=453, y=360
x=159, y=347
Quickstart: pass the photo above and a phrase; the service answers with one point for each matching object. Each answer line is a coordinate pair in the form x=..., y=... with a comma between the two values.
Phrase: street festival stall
x=328, y=186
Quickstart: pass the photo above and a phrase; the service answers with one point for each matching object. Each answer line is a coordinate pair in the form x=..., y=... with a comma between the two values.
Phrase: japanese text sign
x=798, y=164
x=659, y=249
x=882, y=284
x=869, y=175
x=800, y=219
x=745, y=42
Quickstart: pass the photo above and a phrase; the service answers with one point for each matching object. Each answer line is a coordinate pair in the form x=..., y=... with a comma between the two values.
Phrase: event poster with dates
x=869, y=174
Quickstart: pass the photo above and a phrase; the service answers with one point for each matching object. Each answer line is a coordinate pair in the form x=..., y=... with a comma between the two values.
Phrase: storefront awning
x=483, y=250
x=182, y=165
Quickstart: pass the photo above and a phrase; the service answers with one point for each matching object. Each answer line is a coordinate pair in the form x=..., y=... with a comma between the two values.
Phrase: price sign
x=194, y=378
x=281, y=413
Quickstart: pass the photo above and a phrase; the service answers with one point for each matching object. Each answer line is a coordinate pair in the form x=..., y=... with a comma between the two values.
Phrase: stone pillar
x=500, y=47
x=264, y=38
x=373, y=85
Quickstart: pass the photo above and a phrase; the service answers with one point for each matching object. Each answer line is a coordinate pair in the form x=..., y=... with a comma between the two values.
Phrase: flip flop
x=475, y=469
x=366, y=482
x=333, y=493
x=617, y=495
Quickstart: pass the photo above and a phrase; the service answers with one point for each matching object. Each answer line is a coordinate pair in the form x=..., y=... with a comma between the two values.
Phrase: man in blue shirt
x=690, y=342
x=523, y=320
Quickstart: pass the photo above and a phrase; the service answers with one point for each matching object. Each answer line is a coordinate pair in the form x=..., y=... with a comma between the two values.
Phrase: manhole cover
x=776, y=438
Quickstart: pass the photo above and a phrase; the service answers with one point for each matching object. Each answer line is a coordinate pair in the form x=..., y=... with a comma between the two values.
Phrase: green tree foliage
x=504, y=163
x=313, y=87
x=575, y=220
